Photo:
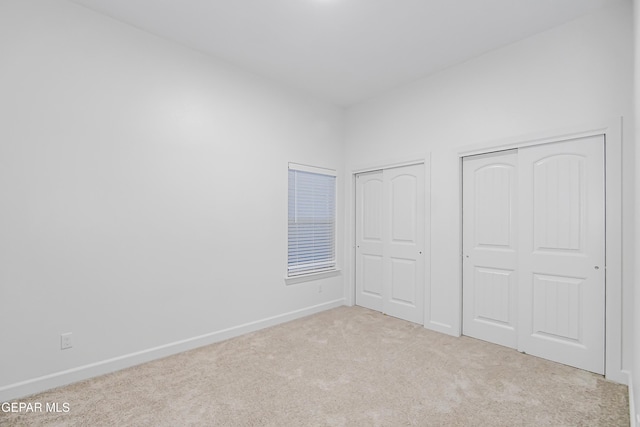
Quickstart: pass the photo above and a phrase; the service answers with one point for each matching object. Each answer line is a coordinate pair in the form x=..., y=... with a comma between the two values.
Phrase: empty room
x=319, y=212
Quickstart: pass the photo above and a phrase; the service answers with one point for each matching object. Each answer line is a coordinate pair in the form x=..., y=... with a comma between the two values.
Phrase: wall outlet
x=319, y=289
x=66, y=341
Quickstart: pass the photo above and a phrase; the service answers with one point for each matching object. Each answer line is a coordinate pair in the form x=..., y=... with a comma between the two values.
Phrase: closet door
x=561, y=252
x=490, y=247
x=403, y=231
x=369, y=244
x=390, y=241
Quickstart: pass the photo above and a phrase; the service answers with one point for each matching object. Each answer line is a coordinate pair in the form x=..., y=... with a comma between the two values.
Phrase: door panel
x=562, y=260
x=403, y=193
x=371, y=190
x=369, y=262
x=493, y=293
x=559, y=190
x=490, y=247
x=372, y=275
x=403, y=281
x=404, y=243
x=390, y=241
x=556, y=307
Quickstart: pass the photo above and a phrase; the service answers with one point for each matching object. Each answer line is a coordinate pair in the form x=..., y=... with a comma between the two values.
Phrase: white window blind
x=312, y=220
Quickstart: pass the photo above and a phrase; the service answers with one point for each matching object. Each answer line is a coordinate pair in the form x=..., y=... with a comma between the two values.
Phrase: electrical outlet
x=66, y=341
x=319, y=289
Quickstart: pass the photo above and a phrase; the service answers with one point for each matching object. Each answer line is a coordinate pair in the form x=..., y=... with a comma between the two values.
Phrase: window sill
x=310, y=277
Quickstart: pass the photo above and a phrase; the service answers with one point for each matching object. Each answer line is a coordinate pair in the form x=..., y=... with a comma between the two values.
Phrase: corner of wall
x=634, y=376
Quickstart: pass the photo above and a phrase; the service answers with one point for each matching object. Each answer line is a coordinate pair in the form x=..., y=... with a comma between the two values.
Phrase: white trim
x=634, y=418
x=312, y=169
x=292, y=280
x=613, y=226
x=350, y=242
x=427, y=241
x=538, y=138
x=613, y=163
x=416, y=160
x=443, y=328
x=58, y=379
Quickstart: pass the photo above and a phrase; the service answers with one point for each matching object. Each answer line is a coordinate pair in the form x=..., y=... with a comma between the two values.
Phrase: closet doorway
x=390, y=220
x=534, y=250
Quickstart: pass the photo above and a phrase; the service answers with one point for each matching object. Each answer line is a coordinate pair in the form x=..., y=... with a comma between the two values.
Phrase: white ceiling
x=344, y=50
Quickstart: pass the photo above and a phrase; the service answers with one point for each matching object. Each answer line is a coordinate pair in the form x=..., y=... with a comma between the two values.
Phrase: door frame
x=350, y=288
x=612, y=134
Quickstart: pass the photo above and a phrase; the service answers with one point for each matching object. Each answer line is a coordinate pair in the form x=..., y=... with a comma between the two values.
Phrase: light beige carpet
x=345, y=367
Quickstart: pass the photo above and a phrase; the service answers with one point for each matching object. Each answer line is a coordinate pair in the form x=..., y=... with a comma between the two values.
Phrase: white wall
x=135, y=176
x=144, y=193
x=578, y=75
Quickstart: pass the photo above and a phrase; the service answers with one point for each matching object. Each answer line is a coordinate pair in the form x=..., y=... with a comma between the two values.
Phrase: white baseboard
x=441, y=327
x=618, y=376
x=634, y=417
x=58, y=379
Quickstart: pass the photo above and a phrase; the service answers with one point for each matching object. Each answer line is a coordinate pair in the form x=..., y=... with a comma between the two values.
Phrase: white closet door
x=369, y=209
x=534, y=269
x=490, y=247
x=403, y=231
x=561, y=252
x=390, y=242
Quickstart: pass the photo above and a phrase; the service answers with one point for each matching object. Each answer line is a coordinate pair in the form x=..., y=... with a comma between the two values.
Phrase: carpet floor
x=344, y=367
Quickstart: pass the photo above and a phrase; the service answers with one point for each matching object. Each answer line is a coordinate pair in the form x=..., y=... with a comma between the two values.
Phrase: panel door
x=369, y=244
x=561, y=257
x=403, y=233
x=490, y=247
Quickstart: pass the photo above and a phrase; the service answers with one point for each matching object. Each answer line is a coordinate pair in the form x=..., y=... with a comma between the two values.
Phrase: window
x=312, y=220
